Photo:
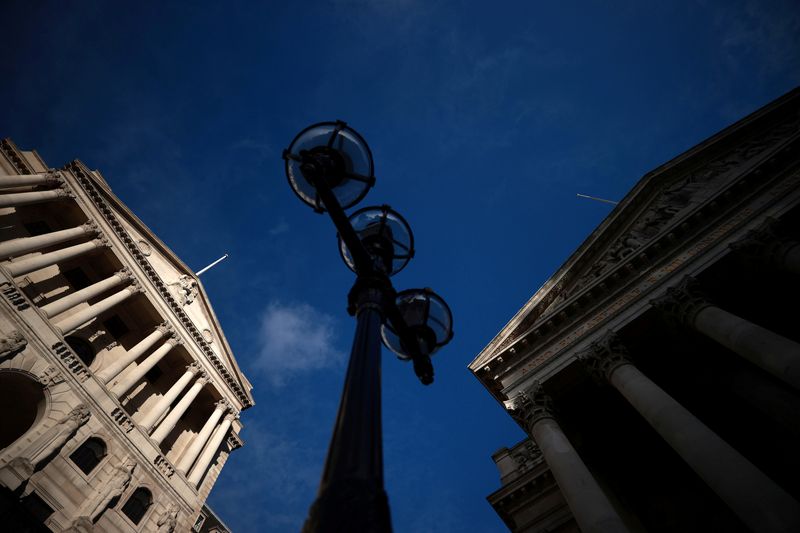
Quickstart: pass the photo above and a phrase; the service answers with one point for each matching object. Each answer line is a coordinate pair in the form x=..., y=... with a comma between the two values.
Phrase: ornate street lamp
x=330, y=168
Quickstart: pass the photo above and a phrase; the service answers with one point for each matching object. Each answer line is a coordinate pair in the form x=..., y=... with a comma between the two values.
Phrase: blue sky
x=485, y=120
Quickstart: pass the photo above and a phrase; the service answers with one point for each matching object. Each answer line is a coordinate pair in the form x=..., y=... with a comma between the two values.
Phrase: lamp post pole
x=351, y=496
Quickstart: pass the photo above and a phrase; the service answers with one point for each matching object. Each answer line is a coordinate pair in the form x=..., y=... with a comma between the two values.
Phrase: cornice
x=716, y=202
x=105, y=209
x=15, y=157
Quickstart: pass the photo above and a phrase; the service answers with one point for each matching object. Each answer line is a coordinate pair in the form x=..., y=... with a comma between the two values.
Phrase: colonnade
x=759, y=502
x=158, y=420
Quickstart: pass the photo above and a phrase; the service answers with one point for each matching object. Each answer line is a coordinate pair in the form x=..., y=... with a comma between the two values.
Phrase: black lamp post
x=330, y=168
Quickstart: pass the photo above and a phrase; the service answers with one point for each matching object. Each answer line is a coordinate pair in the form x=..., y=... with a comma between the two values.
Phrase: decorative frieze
x=15, y=158
x=71, y=361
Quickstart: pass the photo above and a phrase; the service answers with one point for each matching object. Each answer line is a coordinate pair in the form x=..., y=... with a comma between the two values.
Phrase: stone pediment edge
x=625, y=215
x=87, y=180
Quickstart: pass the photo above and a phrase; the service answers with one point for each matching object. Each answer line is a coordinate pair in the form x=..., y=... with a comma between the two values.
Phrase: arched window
x=81, y=348
x=137, y=504
x=89, y=454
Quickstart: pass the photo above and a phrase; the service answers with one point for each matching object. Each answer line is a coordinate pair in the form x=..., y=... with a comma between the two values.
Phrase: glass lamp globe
x=341, y=158
x=428, y=320
x=385, y=234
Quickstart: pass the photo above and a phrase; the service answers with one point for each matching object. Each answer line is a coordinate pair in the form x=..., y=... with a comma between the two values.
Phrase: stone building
x=657, y=372
x=119, y=394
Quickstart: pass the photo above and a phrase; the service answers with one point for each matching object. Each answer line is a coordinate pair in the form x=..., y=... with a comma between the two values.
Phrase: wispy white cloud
x=295, y=338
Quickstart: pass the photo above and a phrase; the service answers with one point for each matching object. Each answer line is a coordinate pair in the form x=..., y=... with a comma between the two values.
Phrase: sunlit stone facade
x=119, y=395
x=657, y=372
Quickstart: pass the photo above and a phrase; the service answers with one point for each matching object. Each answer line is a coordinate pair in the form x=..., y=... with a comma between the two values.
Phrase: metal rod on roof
x=212, y=264
x=598, y=199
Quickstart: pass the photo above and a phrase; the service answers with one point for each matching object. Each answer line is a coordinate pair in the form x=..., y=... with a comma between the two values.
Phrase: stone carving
x=527, y=456
x=765, y=247
x=14, y=297
x=115, y=487
x=71, y=361
x=122, y=419
x=145, y=247
x=169, y=520
x=186, y=289
x=164, y=327
x=90, y=227
x=51, y=377
x=532, y=405
x=604, y=356
x=683, y=302
x=12, y=344
x=53, y=439
x=164, y=466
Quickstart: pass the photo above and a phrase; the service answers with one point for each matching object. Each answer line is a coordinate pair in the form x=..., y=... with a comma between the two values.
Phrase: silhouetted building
x=657, y=372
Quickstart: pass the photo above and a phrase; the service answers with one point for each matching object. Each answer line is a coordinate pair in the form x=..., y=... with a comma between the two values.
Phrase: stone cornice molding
x=108, y=214
x=234, y=441
x=539, y=327
x=14, y=156
x=683, y=302
x=604, y=356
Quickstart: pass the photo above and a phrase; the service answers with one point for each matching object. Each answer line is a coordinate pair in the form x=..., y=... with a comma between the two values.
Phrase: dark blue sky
x=485, y=119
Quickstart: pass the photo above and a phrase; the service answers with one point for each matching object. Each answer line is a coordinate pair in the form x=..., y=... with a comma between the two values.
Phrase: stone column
x=169, y=422
x=30, y=180
x=24, y=245
x=777, y=355
x=135, y=375
x=113, y=370
x=198, y=443
x=87, y=293
x=85, y=315
x=210, y=450
x=765, y=247
x=587, y=501
x=35, y=197
x=154, y=413
x=756, y=499
x=31, y=264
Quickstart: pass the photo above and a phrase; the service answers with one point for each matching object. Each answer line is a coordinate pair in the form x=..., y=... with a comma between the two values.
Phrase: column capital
x=164, y=327
x=233, y=415
x=63, y=191
x=532, y=405
x=90, y=226
x=194, y=367
x=223, y=405
x=125, y=274
x=53, y=178
x=202, y=378
x=604, y=356
x=101, y=241
x=683, y=302
x=174, y=339
x=764, y=244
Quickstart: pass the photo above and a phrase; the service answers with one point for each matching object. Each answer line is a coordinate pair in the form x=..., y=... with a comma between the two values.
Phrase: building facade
x=119, y=394
x=657, y=372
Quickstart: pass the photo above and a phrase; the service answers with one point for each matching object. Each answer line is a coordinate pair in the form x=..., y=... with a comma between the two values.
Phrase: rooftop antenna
x=612, y=202
x=212, y=264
